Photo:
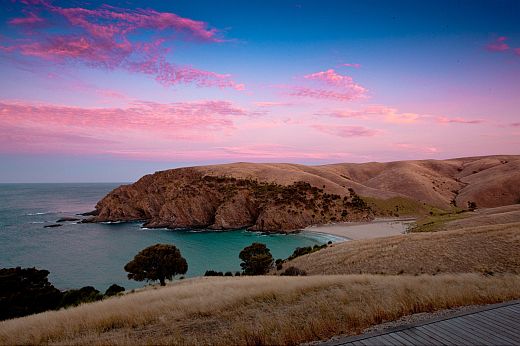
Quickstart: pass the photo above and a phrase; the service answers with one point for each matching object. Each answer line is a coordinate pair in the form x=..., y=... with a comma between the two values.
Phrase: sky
x=112, y=90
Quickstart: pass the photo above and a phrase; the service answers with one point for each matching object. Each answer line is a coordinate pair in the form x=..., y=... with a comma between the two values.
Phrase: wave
x=34, y=214
x=37, y=222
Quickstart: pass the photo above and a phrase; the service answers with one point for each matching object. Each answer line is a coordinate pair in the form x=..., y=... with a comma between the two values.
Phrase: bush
x=228, y=274
x=293, y=271
x=237, y=273
x=213, y=273
x=114, y=290
x=75, y=297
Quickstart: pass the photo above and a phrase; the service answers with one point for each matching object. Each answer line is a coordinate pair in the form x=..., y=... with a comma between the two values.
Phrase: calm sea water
x=94, y=254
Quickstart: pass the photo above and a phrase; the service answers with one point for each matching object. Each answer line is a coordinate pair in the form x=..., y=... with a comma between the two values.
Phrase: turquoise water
x=94, y=254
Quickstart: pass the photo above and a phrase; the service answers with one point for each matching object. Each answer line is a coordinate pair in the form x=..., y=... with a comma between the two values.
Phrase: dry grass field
x=484, y=249
x=256, y=310
x=490, y=181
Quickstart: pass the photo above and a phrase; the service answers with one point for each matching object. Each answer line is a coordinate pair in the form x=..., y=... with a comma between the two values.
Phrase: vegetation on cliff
x=185, y=198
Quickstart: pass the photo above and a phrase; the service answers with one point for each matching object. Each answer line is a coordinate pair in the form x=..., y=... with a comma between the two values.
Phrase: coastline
x=380, y=227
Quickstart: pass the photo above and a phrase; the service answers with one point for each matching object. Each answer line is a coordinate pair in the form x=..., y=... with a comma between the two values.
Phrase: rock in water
x=64, y=219
x=53, y=225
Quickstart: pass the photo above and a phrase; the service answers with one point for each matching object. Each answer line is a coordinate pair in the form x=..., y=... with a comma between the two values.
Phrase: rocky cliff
x=186, y=198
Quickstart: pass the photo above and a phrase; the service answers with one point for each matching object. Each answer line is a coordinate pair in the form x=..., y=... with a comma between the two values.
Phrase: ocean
x=89, y=254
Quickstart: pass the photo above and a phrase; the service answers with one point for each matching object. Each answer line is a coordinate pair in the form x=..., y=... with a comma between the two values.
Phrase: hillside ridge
x=275, y=197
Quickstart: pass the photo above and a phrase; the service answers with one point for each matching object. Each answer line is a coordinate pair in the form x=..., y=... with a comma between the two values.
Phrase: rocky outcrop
x=188, y=198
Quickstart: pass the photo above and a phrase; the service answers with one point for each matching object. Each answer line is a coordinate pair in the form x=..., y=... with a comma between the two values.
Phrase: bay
x=78, y=255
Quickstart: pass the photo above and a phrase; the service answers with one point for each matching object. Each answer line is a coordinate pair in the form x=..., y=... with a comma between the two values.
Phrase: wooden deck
x=497, y=324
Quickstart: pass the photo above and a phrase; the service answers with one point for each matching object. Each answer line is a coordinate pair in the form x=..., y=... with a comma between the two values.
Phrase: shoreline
x=379, y=227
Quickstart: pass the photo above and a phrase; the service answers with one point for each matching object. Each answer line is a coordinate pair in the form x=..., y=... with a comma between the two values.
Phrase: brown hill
x=283, y=197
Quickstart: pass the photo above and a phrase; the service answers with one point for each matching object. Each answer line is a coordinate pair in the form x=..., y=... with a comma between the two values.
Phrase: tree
x=25, y=291
x=472, y=206
x=157, y=262
x=257, y=259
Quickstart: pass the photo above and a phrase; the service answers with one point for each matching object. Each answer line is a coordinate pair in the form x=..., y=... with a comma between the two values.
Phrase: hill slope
x=475, y=244
x=284, y=197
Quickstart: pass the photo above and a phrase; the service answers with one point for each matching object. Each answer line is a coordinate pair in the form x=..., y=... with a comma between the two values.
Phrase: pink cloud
x=271, y=104
x=388, y=114
x=346, y=131
x=515, y=124
x=353, y=65
x=416, y=148
x=141, y=123
x=337, y=87
x=498, y=45
x=457, y=120
x=101, y=38
x=30, y=19
x=271, y=152
x=517, y=51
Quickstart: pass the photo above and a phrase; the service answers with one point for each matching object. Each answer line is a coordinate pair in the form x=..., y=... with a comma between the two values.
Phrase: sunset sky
x=109, y=91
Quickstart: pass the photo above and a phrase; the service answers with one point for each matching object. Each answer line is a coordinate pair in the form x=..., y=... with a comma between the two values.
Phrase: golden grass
x=483, y=249
x=436, y=222
x=400, y=206
x=481, y=217
x=256, y=310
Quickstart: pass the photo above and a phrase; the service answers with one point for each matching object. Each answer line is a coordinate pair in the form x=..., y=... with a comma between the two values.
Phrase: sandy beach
x=380, y=227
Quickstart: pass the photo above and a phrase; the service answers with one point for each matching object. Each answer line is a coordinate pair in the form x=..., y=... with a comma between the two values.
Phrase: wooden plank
x=503, y=324
x=394, y=339
x=514, y=308
x=500, y=323
x=479, y=335
x=388, y=340
x=369, y=341
x=438, y=338
x=457, y=335
x=461, y=335
x=421, y=338
x=357, y=343
x=482, y=325
x=502, y=312
x=505, y=315
x=401, y=339
x=440, y=334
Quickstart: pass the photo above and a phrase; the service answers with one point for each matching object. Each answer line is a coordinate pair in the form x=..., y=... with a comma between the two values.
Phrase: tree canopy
x=25, y=291
x=157, y=262
x=257, y=259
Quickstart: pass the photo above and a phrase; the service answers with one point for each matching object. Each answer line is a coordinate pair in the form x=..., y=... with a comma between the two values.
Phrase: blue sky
x=107, y=91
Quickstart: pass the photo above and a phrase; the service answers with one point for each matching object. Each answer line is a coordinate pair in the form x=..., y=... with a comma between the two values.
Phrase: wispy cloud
x=458, y=120
x=346, y=131
x=388, y=114
x=141, y=123
x=329, y=85
x=392, y=115
x=271, y=104
x=104, y=38
x=352, y=65
x=499, y=45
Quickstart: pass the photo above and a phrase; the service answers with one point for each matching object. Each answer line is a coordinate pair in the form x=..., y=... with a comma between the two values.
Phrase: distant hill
x=283, y=197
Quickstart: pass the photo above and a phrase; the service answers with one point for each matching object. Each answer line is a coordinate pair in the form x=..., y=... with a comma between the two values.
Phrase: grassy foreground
x=256, y=310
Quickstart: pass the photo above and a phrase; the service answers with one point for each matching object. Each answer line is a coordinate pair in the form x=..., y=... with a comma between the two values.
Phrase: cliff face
x=188, y=198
